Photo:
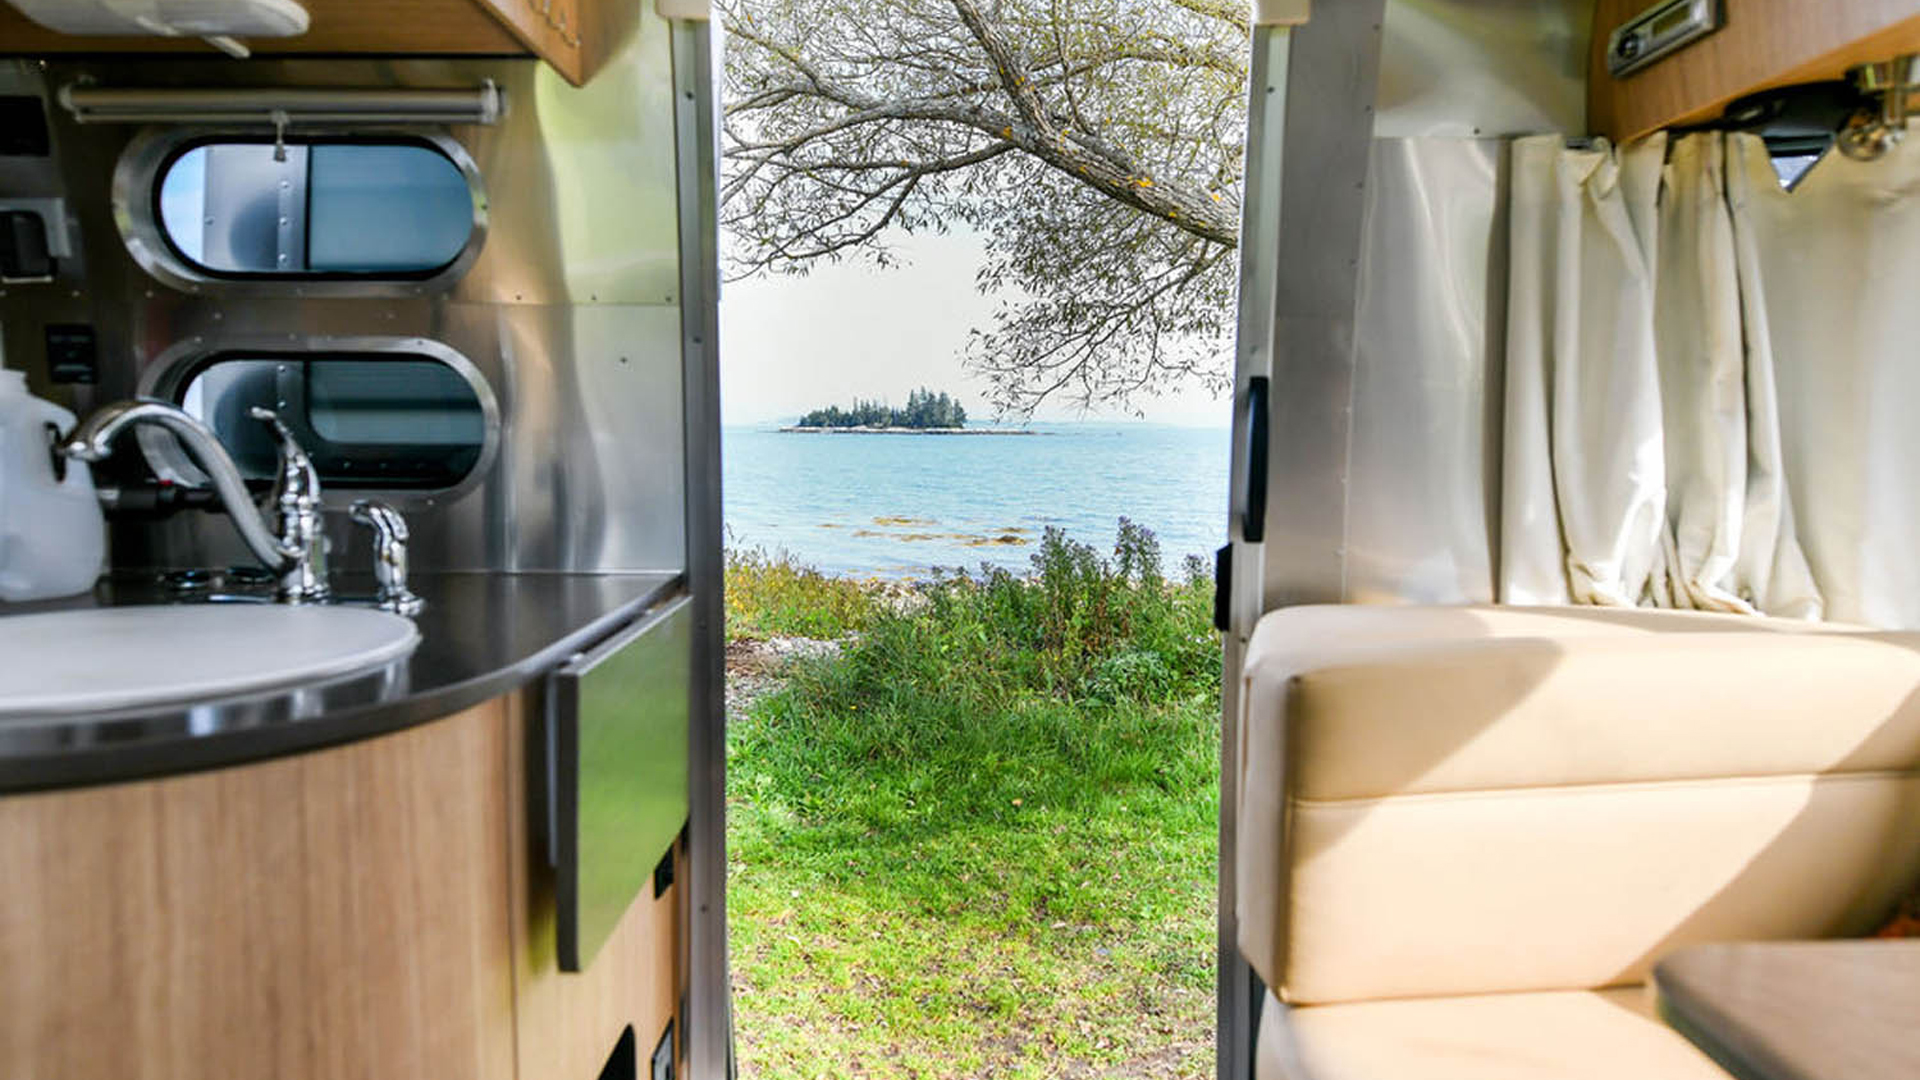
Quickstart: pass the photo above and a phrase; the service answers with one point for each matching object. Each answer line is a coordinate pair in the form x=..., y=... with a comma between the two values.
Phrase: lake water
x=897, y=505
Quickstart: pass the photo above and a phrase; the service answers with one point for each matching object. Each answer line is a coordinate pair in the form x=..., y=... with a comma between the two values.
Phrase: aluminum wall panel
x=571, y=311
x=1423, y=494
x=1332, y=69
x=1469, y=68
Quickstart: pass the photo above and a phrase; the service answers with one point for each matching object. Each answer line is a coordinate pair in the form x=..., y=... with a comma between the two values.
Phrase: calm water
x=896, y=505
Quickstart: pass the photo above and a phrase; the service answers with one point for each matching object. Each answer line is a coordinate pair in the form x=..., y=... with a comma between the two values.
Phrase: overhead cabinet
x=572, y=35
x=1759, y=44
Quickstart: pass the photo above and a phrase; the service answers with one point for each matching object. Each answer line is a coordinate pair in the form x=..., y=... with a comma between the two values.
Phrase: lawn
x=978, y=841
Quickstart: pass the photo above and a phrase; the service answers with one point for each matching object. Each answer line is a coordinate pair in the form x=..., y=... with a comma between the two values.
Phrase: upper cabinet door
x=1760, y=44
x=571, y=35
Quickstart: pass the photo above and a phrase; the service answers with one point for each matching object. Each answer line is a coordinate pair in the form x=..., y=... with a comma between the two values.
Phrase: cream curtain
x=1643, y=455
x=1831, y=276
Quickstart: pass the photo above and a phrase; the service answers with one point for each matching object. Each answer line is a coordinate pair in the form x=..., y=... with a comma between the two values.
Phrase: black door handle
x=1253, y=426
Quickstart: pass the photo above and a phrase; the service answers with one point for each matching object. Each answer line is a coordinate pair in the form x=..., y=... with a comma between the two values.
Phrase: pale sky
x=791, y=344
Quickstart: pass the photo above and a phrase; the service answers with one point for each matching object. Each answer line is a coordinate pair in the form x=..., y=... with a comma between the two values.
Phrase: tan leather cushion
x=1468, y=800
x=1564, y=1035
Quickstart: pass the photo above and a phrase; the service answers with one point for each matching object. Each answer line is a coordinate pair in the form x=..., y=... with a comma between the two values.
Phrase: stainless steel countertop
x=482, y=635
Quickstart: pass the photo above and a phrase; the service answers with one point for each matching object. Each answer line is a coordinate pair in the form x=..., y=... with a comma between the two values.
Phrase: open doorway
x=978, y=339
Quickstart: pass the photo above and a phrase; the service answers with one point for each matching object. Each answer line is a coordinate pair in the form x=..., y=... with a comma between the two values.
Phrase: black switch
x=73, y=356
x=23, y=247
x=23, y=127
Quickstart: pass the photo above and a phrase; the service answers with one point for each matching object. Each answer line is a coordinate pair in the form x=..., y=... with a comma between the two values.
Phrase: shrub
x=770, y=596
x=1079, y=627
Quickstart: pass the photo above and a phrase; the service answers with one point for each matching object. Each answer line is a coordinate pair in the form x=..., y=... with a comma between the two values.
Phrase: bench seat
x=1551, y=1035
x=1463, y=830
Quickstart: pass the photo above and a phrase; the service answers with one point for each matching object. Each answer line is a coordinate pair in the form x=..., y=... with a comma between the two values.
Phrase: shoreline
x=797, y=430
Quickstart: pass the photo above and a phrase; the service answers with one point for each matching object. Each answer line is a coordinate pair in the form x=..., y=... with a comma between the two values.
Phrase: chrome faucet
x=296, y=497
x=298, y=553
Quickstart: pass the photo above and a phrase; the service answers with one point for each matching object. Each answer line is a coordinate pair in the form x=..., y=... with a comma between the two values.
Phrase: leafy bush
x=769, y=596
x=1065, y=672
x=1079, y=620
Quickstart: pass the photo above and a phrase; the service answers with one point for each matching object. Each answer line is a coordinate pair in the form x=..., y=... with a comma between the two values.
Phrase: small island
x=926, y=413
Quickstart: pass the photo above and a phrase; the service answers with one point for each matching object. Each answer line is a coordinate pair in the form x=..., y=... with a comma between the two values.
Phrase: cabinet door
x=1761, y=44
x=333, y=914
x=617, y=751
x=569, y=1024
x=552, y=28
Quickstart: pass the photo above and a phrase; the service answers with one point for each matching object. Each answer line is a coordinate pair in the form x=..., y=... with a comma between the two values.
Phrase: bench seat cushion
x=1556, y=1035
x=1450, y=801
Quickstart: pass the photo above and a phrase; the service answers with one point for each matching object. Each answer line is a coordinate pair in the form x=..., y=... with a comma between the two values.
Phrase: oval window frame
x=168, y=377
x=141, y=170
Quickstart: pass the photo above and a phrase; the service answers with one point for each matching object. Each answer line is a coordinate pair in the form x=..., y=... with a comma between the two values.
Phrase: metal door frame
x=1310, y=135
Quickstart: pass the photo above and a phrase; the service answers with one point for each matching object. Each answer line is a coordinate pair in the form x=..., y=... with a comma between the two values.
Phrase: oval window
x=372, y=421
x=324, y=209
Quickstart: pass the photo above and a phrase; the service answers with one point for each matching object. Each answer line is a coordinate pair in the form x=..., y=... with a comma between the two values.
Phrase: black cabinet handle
x=1253, y=426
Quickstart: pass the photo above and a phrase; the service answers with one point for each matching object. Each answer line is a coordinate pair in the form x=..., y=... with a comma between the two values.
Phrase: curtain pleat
x=1583, y=477
x=1773, y=571
x=1642, y=459
x=1833, y=267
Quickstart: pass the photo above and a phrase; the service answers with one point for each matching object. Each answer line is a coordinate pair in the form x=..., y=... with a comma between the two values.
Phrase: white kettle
x=53, y=538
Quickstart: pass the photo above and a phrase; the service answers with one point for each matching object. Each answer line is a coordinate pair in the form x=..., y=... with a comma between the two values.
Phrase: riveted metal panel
x=569, y=309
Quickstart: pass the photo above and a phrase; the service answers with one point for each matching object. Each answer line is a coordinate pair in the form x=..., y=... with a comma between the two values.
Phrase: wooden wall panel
x=1764, y=43
x=568, y=1023
x=337, y=914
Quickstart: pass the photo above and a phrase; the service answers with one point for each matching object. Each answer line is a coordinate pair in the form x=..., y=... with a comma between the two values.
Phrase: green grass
x=980, y=842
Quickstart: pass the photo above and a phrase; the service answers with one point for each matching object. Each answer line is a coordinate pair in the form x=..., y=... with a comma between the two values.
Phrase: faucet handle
x=298, y=478
x=389, y=556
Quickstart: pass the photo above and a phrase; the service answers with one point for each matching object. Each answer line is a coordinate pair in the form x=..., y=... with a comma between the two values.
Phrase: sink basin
x=128, y=657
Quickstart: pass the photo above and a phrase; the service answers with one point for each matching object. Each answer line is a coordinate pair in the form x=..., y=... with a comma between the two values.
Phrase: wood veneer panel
x=575, y=36
x=339, y=26
x=341, y=913
x=550, y=28
x=568, y=1023
x=1764, y=43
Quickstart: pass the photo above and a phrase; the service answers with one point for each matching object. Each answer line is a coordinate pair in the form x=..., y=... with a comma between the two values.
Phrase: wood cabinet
x=568, y=1023
x=575, y=36
x=372, y=910
x=1762, y=44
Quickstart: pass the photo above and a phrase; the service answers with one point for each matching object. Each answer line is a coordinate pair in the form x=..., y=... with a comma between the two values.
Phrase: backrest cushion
x=1469, y=800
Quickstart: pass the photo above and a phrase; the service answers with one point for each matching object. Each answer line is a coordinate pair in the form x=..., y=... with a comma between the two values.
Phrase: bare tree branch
x=1097, y=145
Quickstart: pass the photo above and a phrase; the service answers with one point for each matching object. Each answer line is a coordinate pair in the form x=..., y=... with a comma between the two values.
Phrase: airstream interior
x=388, y=743
x=360, y=546
x=1569, y=652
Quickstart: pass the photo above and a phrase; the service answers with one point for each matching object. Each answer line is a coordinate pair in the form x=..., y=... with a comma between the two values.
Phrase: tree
x=925, y=409
x=1097, y=145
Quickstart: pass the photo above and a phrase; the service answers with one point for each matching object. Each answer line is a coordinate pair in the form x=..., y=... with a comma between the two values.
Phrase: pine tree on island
x=925, y=410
